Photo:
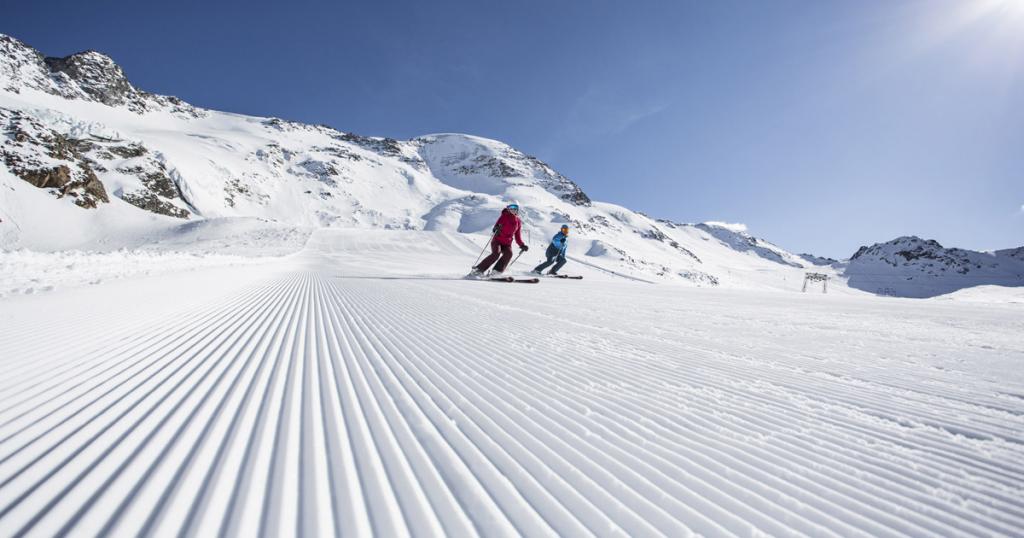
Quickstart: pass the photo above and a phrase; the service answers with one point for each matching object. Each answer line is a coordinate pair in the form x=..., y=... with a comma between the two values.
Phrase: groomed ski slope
x=352, y=390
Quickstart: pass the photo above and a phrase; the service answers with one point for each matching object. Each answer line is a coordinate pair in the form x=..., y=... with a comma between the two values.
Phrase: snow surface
x=294, y=353
x=355, y=388
x=986, y=294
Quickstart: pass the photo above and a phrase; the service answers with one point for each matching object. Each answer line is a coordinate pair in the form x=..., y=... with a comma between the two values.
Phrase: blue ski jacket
x=560, y=241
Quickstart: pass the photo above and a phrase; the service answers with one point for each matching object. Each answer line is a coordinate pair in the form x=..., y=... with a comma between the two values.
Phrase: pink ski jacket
x=508, y=227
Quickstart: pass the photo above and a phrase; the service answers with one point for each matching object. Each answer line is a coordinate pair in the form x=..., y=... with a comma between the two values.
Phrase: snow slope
x=352, y=389
x=92, y=163
x=81, y=136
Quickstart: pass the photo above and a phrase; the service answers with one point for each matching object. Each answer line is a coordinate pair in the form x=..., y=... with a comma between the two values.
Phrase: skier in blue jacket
x=555, y=252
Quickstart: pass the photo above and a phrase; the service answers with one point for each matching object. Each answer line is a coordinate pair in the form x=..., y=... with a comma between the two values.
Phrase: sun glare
x=1015, y=7
x=990, y=32
x=998, y=12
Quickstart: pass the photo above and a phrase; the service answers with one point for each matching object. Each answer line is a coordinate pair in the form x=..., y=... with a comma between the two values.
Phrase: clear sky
x=821, y=125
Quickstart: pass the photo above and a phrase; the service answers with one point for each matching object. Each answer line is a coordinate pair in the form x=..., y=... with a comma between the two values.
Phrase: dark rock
x=128, y=152
x=97, y=75
x=151, y=202
x=45, y=178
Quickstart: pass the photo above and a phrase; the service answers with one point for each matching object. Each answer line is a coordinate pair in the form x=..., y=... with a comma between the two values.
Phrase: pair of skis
x=512, y=279
x=528, y=280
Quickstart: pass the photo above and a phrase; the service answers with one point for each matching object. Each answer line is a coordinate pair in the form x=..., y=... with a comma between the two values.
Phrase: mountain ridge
x=78, y=129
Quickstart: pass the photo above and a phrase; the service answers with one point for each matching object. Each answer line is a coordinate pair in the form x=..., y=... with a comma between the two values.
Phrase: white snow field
x=356, y=388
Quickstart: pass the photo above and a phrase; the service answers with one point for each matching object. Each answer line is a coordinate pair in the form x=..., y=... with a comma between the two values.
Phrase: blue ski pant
x=555, y=256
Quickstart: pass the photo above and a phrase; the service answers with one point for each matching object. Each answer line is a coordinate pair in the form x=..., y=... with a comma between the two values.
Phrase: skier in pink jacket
x=505, y=230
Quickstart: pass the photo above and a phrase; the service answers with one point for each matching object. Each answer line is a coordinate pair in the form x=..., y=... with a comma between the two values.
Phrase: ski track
x=306, y=404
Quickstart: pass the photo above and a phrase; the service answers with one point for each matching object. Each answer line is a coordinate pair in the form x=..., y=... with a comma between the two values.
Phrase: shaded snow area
x=357, y=388
x=986, y=294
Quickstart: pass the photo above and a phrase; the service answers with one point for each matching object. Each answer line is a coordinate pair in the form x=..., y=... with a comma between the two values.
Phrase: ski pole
x=509, y=266
x=478, y=256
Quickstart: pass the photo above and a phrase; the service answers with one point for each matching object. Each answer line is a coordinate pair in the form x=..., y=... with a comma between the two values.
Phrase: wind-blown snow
x=731, y=226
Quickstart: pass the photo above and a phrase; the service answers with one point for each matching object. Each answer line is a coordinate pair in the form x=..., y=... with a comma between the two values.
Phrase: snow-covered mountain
x=915, y=267
x=92, y=162
x=86, y=150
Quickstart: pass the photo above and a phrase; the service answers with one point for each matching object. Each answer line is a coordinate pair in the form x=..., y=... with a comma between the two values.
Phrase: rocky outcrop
x=73, y=167
x=98, y=76
x=817, y=260
x=89, y=75
x=49, y=160
x=151, y=202
x=743, y=242
x=658, y=235
x=159, y=192
x=913, y=267
x=461, y=159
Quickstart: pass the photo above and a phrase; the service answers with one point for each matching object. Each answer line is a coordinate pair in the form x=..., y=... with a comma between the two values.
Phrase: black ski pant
x=499, y=252
x=555, y=256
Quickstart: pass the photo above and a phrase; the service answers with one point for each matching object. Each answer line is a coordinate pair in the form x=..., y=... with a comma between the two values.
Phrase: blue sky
x=820, y=125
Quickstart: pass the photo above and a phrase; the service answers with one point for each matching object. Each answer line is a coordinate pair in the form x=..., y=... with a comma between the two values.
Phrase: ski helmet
x=514, y=206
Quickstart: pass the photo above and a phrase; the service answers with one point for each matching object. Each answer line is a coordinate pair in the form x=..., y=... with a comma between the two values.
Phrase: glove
x=524, y=248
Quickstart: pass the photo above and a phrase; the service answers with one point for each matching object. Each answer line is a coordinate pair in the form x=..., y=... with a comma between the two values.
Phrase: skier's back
x=556, y=252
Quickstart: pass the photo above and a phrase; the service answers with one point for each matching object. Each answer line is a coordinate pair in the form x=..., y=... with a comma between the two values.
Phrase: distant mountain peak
x=97, y=75
x=737, y=238
x=911, y=245
x=89, y=75
x=484, y=165
x=910, y=266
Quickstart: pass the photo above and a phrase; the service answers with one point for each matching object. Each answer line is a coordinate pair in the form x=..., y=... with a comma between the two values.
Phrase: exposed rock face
x=700, y=278
x=817, y=260
x=88, y=75
x=743, y=242
x=70, y=167
x=902, y=250
x=555, y=182
x=151, y=202
x=49, y=160
x=98, y=76
x=913, y=267
x=23, y=66
x=159, y=192
x=462, y=158
x=658, y=235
